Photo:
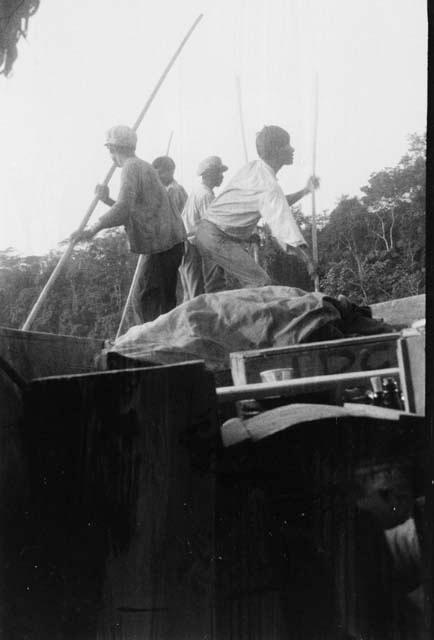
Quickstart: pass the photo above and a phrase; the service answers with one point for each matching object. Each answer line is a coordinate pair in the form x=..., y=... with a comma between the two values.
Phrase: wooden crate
x=318, y=358
x=108, y=507
x=34, y=354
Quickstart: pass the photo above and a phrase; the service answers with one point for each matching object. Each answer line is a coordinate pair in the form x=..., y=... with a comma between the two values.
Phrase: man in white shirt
x=231, y=219
x=211, y=170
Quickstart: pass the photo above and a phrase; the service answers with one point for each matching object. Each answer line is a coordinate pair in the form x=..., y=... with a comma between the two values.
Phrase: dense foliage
x=14, y=21
x=371, y=248
x=88, y=296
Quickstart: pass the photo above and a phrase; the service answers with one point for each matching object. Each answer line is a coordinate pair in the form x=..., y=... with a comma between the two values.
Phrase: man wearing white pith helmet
x=211, y=171
x=153, y=226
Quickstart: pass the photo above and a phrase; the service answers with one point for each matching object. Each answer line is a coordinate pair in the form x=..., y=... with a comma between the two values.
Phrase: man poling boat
x=210, y=170
x=154, y=227
x=252, y=194
x=53, y=277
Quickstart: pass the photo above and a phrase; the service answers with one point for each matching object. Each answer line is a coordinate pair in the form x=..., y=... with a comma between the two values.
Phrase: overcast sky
x=89, y=64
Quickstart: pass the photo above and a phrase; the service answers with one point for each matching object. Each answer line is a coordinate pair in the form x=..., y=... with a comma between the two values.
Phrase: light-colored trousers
x=220, y=250
x=191, y=273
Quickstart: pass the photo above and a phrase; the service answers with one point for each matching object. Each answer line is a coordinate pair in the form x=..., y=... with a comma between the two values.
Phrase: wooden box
x=34, y=354
x=108, y=507
x=318, y=358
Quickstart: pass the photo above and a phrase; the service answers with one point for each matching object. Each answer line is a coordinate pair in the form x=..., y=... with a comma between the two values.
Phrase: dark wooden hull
x=124, y=517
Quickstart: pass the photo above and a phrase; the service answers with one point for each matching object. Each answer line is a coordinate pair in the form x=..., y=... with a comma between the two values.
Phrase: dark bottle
x=391, y=395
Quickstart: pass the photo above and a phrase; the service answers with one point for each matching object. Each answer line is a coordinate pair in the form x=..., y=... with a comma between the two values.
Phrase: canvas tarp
x=212, y=326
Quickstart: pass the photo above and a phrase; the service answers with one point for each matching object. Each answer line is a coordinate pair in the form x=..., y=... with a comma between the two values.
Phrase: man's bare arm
x=311, y=185
x=292, y=198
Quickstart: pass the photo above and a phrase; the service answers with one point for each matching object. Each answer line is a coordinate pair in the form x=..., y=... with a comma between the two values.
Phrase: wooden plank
x=401, y=312
x=298, y=386
x=266, y=424
x=411, y=358
x=317, y=358
x=371, y=411
x=116, y=537
x=112, y=361
x=34, y=354
x=13, y=494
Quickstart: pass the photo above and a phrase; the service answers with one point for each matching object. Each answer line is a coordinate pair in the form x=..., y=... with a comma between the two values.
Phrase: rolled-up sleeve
x=276, y=213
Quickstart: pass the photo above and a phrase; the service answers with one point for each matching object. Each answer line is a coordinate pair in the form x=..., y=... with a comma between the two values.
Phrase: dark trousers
x=155, y=292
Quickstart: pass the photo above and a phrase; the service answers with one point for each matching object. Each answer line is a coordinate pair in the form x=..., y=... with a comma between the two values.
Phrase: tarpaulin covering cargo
x=212, y=326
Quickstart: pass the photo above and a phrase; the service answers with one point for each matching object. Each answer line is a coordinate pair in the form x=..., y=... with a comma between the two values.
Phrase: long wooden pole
x=240, y=113
x=169, y=143
x=90, y=210
x=314, y=145
x=255, y=249
x=130, y=295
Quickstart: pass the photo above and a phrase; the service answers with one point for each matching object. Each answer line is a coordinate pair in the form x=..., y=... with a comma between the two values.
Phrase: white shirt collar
x=267, y=166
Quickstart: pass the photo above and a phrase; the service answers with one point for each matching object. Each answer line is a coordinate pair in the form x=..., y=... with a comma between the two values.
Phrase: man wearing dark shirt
x=165, y=168
x=153, y=226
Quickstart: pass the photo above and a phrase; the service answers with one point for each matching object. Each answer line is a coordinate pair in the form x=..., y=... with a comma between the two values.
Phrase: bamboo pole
x=169, y=143
x=314, y=145
x=306, y=385
x=240, y=113
x=92, y=206
x=255, y=248
x=130, y=295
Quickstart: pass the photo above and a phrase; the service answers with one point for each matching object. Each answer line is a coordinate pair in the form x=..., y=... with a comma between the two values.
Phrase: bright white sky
x=87, y=65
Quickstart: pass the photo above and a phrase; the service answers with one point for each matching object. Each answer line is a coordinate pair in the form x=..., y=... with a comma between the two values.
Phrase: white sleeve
x=194, y=210
x=277, y=214
x=202, y=204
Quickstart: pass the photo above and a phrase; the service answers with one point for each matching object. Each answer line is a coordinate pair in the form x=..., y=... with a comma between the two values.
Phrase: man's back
x=152, y=224
x=177, y=195
x=251, y=194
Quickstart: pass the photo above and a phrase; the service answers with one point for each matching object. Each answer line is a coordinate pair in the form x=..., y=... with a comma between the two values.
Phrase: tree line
x=371, y=248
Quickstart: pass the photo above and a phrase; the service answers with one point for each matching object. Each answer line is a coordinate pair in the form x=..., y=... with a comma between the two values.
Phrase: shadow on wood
x=300, y=541
x=113, y=534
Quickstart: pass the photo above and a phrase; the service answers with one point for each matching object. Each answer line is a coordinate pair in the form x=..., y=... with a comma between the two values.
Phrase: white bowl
x=275, y=375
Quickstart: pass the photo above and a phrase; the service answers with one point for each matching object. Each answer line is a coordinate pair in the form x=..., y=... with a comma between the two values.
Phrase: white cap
x=121, y=136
